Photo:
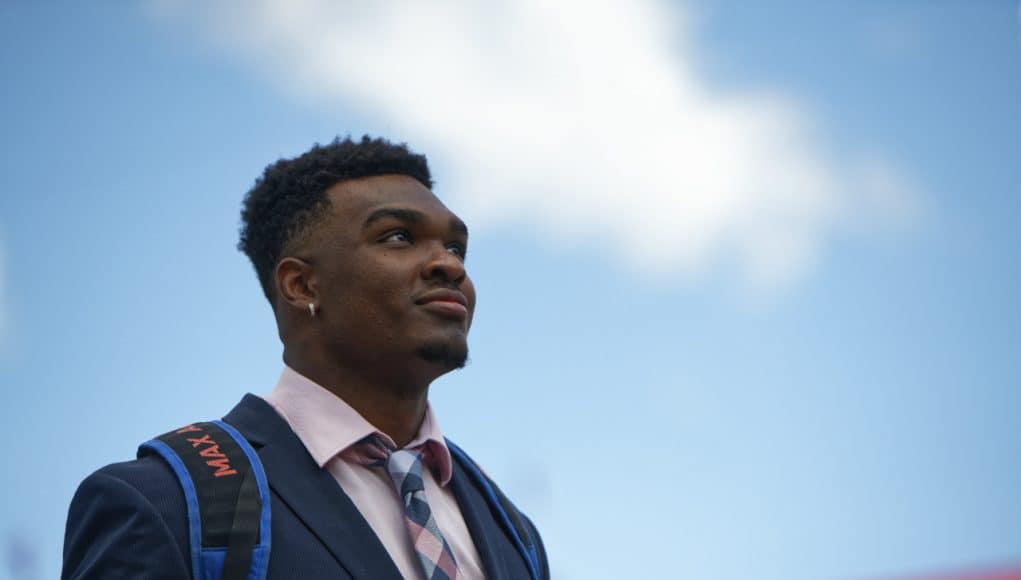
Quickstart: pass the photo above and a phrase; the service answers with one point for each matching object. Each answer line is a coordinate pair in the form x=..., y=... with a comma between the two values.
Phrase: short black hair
x=291, y=194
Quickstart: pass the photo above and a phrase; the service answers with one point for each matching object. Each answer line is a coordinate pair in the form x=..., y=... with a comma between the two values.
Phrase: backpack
x=227, y=495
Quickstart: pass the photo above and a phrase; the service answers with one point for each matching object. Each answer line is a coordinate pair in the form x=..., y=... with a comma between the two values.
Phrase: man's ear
x=296, y=283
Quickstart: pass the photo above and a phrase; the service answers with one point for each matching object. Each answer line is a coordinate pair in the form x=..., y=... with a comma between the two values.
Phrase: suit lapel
x=481, y=524
x=312, y=493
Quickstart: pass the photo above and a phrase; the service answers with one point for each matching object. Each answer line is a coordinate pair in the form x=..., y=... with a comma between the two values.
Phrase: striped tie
x=405, y=469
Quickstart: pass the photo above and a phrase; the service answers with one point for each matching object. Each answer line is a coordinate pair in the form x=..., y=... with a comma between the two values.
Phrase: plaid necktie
x=405, y=469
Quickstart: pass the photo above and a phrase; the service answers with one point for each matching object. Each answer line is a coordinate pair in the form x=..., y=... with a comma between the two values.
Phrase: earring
x=312, y=309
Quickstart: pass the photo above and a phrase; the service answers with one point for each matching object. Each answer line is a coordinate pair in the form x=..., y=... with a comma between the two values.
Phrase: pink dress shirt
x=327, y=426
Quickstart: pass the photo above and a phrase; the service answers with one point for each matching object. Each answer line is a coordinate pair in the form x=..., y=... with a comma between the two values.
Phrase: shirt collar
x=327, y=425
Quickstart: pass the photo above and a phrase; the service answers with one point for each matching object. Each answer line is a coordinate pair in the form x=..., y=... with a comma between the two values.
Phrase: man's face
x=389, y=271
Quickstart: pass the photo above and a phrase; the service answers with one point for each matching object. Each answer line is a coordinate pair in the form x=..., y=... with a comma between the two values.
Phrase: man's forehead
x=358, y=199
x=367, y=192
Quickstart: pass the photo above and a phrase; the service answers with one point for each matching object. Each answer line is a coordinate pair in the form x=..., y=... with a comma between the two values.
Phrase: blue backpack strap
x=227, y=495
x=505, y=512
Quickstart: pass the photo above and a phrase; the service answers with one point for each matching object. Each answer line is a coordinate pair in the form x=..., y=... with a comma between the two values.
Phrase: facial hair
x=449, y=356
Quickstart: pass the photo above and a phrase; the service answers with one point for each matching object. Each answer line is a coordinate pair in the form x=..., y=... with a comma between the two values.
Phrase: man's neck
x=393, y=406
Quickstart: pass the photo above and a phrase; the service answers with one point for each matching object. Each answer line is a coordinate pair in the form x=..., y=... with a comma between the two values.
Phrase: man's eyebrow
x=411, y=216
x=405, y=215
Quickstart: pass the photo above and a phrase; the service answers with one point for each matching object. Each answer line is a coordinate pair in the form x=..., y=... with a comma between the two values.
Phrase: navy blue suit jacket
x=129, y=520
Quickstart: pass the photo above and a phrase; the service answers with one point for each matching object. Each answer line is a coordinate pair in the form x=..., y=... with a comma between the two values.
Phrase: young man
x=364, y=268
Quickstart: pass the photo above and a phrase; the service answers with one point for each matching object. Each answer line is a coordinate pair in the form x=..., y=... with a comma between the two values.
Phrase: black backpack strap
x=502, y=507
x=227, y=494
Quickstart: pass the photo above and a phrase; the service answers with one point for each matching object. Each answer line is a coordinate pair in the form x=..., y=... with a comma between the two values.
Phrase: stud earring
x=312, y=309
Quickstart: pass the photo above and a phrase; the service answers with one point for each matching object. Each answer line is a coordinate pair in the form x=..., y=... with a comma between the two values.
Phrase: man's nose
x=444, y=265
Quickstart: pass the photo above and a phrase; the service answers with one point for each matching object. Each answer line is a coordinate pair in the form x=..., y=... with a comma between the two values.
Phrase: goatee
x=442, y=353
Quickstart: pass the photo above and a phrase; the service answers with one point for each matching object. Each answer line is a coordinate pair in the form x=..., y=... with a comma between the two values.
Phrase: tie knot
x=404, y=466
x=371, y=450
x=405, y=469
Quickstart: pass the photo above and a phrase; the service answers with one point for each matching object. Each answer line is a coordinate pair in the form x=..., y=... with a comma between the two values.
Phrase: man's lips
x=450, y=303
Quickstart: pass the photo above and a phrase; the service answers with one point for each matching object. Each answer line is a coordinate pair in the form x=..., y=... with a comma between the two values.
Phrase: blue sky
x=748, y=275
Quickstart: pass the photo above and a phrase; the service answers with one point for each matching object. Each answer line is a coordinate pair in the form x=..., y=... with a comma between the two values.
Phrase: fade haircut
x=290, y=196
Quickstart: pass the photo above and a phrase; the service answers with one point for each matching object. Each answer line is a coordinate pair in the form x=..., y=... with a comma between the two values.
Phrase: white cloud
x=584, y=119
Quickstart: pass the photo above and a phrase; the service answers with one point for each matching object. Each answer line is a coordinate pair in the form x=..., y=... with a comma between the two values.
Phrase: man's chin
x=448, y=355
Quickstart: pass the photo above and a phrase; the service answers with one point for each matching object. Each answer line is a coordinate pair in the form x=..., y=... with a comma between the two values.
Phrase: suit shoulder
x=153, y=478
x=518, y=517
x=540, y=548
x=139, y=472
x=121, y=508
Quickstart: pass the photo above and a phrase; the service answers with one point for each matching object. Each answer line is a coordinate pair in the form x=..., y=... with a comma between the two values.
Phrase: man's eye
x=457, y=249
x=397, y=236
